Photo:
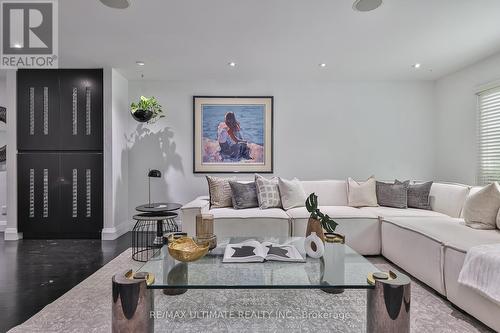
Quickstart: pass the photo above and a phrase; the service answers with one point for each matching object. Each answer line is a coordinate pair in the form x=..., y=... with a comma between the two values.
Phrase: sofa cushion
x=481, y=208
x=219, y=191
x=268, y=193
x=332, y=211
x=292, y=193
x=244, y=195
x=361, y=194
x=231, y=213
x=329, y=192
x=392, y=195
x=398, y=212
x=473, y=190
x=418, y=194
x=451, y=232
x=448, y=198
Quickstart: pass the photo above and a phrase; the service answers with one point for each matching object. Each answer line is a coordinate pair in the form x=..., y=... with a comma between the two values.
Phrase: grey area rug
x=87, y=308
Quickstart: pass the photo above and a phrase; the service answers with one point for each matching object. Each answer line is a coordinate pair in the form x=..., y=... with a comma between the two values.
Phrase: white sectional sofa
x=429, y=244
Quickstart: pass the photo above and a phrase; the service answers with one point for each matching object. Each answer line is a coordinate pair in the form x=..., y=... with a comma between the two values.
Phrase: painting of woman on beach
x=233, y=134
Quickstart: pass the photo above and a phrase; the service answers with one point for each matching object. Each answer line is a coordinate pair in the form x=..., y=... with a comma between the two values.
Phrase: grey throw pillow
x=268, y=192
x=244, y=195
x=393, y=195
x=220, y=192
x=418, y=195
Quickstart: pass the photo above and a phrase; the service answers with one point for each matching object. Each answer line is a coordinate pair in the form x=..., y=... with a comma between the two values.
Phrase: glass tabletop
x=340, y=267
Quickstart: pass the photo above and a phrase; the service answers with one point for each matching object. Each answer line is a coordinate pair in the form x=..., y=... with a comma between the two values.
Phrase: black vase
x=142, y=116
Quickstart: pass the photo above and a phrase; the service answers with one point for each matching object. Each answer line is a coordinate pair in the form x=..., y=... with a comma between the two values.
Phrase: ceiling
x=279, y=39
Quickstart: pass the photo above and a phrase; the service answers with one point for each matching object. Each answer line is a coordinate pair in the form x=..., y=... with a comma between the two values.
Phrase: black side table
x=151, y=224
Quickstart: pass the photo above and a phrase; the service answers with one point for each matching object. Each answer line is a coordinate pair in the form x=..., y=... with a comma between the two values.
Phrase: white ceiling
x=279, y=39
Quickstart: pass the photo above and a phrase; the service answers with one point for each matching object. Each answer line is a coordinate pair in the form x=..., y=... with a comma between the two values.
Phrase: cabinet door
x=81, y=109
x=38, y=110
x=38, y=194
x=81, y=194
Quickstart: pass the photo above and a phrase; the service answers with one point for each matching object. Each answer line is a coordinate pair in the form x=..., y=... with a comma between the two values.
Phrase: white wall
x=116, y=122
x=456, y=112
x=321, y=130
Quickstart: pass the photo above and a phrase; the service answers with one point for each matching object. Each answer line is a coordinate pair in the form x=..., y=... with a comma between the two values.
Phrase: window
x=489, y=136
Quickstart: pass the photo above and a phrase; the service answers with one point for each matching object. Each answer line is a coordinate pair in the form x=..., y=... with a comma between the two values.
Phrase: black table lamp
x=155, y=174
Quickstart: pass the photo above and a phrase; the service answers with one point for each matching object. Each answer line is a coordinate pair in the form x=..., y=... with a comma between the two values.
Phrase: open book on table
x=254, y=251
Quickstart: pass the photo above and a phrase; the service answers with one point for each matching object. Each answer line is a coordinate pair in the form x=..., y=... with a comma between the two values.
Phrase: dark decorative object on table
x=146, y=110
x=152, y=174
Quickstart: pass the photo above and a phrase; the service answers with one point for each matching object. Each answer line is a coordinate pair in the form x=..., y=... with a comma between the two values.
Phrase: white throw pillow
x=481, y=208
x=362, y=194
x=292, y=193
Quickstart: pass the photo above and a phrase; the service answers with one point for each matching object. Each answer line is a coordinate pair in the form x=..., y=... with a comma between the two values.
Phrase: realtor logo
x=29, y=34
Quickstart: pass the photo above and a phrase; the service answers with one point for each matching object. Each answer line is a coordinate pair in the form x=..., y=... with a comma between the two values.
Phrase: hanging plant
x=147, y=109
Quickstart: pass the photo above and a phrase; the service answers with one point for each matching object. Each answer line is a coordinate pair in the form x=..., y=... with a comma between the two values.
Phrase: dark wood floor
x=34, y=273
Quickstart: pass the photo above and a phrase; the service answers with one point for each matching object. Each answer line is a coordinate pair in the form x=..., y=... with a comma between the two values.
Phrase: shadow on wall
x=150, y=149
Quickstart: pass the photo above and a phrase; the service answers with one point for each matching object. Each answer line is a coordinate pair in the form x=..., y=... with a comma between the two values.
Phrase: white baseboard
x=11, y=234
x=115, y=232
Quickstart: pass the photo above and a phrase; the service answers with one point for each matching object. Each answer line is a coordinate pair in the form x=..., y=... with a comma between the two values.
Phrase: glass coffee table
x=340, y=268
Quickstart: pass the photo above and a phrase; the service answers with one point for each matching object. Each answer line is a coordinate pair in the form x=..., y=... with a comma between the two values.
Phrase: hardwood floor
x=34, y=273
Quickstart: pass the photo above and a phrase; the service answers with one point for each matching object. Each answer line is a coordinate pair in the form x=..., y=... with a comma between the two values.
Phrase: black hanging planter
x=142, y=116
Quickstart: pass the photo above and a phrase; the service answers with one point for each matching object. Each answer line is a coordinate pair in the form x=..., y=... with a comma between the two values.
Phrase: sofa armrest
x=189, y=212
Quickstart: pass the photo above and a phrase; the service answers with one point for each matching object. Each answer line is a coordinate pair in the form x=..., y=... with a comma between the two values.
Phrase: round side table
x=154, y=220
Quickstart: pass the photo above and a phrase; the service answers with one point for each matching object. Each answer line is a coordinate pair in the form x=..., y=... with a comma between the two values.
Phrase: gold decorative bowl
x=185, y=249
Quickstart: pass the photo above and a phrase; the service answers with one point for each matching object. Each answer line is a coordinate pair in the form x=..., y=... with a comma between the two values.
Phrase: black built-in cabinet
x=60, y=162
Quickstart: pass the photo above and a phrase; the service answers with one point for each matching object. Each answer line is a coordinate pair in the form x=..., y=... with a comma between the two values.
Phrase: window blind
x=489, y=136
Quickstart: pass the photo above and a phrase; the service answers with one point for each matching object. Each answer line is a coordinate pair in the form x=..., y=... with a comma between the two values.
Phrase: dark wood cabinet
x=60, y=109
x=81, y=109
x=38, y=120
x=60, y=162
x=60, y=194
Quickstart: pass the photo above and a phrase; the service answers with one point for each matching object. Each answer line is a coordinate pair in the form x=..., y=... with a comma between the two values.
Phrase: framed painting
x=233, y=134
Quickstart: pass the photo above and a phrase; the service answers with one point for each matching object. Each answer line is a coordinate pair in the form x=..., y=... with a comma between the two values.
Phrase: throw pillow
x=219, y=192
x=244, y=195
x=393, y=195
x=292, y=193
x=362, y=194
x=268, y=193
x=418, y=195
x=481, y=208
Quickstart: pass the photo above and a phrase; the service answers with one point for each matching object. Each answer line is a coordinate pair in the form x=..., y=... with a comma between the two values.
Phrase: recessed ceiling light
x=322, y=65
x=231, y=64
x=366, y=5
x=140, y=63
x=17, y=46
x=416, y=66
x=117, y=4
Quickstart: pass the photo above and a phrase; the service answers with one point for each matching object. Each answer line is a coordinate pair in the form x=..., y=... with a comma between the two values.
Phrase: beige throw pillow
x=220, y=192
x=481, y=208
x=362, y=194
x=292, y=193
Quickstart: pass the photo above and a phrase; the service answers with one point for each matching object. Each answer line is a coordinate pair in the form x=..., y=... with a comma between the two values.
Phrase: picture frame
x=233, y=134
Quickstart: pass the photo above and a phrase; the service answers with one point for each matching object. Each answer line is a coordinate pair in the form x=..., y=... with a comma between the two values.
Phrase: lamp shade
x=154, y=173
